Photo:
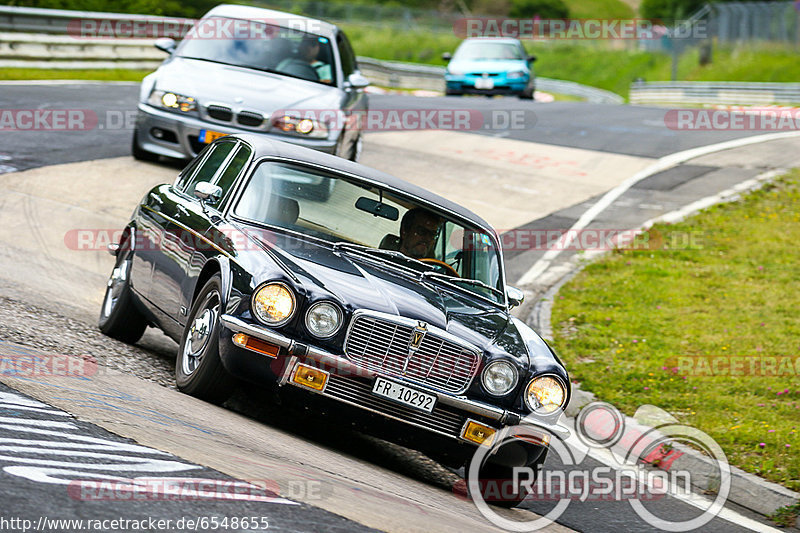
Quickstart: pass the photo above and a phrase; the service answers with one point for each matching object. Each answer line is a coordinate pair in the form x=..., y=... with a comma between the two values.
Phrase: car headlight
x=273, y=304
x=302, y=127
x=323, y=319
x=170, y=100
x=499, y=378
x=455, y=72
x=515, y=74
x=545, y=395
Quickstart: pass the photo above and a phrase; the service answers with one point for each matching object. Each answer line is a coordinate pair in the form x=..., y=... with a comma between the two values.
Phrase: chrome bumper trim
x=347, y=367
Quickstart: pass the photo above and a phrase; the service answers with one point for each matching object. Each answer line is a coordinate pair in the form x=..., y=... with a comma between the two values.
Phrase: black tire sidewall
x=209, y=379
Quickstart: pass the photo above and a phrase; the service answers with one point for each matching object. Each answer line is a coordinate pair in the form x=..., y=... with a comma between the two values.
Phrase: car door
x=183, y=223
x=354, y=103
x=209, y=222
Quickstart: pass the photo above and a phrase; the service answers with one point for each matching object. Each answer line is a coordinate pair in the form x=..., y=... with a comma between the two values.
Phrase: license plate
x=208, y=136
x=405, y=395
x=484, y=83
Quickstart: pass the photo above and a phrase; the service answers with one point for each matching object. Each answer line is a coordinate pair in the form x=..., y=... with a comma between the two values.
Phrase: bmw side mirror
x=357, y=80
x=207, y=192
x=447, y=56
x=515, y=297
x=165, y=44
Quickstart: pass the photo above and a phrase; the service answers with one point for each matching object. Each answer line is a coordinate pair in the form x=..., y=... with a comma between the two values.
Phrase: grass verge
x=70, y=74
x=722, y=284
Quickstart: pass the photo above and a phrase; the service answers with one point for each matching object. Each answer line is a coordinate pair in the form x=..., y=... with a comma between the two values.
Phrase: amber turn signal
x=256, y=345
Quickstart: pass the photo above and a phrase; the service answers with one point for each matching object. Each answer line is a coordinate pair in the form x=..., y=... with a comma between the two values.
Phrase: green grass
x=599, y=9
x=69, y=74
x=622, y=324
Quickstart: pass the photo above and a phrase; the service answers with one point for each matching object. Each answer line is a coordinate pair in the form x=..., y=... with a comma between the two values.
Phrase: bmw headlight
x=273, y=304
x=545, y=395
x=515, y=74
x=499, y=378
x=174, y=101
x=302, y=127
x=323, y=319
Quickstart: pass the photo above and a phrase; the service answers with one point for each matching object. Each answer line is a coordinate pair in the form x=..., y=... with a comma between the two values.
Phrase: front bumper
x=351, y=384
x=499, y=84
x=183, y=141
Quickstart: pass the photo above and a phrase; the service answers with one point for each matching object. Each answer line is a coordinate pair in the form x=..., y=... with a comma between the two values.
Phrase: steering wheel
x=442, y=264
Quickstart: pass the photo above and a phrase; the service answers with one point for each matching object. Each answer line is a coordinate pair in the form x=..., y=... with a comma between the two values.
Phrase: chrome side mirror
x=447, y=56
x=165, y=44
x=207, y=192
x=515, y=297
x=357, y=80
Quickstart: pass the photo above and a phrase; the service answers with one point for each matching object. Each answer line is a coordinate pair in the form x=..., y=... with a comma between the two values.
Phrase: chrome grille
x=382, y=346
x=444, y=419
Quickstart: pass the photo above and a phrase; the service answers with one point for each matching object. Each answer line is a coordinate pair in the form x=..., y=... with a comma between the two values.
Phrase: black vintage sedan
x=345, y=289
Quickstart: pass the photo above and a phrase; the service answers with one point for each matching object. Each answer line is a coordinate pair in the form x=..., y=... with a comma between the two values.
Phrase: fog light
x=256, y=345
x=477, y=432
x=158, y=133
x=310, y=377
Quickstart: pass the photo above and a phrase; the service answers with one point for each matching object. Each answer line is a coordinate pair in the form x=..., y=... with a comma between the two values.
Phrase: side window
x=189, y=169
x=228, y=177
x=210, y=166
x=346, y=53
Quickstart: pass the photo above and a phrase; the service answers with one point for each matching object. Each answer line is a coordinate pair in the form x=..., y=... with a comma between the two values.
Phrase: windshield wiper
x=378, y=251
x=453, y=279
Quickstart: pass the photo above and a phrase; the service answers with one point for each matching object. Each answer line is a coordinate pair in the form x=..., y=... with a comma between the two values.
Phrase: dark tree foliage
x=546, y=9
x=170, y=8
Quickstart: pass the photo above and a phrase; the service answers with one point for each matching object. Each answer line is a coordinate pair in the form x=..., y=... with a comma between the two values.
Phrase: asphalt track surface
x=626, y=130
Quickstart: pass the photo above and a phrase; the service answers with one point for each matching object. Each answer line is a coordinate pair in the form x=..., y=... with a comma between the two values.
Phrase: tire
x=198, y=368
x=497, y=480
x=527, y=93
x=119, y=318
x=358, y=146
x=139, y=153
x=448, y=92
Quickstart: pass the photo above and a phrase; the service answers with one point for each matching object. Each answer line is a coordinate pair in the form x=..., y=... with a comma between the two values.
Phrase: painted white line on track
x=664, y=163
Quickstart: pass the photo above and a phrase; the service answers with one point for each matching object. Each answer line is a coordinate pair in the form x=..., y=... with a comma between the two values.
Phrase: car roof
x=264, y=147
x=509, y=40
x=279, y=18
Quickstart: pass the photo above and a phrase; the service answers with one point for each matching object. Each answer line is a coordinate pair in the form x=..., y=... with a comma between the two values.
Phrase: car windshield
x=362, y=218
x=261, y=46
x=473, y=50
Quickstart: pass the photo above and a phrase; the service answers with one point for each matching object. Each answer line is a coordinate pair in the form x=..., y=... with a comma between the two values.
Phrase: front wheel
x=119, y=318
x=198, y=369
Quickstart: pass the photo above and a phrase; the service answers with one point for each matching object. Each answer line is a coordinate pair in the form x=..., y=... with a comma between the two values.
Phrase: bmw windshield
x=363, y=218
x=261, y=46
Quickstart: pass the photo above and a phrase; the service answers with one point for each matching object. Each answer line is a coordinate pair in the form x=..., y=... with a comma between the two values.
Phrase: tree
x=546, y=9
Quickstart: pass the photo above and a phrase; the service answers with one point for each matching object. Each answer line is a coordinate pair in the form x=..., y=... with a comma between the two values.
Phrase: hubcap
x=199, y=334
x=114, y=287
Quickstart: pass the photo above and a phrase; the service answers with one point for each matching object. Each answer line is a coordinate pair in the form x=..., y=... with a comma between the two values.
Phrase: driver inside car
x=418, y=231
x=308, y=50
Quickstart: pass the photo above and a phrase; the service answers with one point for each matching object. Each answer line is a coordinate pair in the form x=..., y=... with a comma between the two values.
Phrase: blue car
x=490, y=66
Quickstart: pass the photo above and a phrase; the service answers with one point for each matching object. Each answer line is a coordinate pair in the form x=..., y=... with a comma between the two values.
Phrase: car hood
x=491, y=66
x=242, y=88
x=359, y=283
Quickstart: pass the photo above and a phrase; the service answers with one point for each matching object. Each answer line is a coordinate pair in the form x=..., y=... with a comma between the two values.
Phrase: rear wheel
x=198, y=369
x=119, y=318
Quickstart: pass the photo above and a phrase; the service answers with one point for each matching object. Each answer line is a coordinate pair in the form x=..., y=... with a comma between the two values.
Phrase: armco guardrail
x=26, y=50
x=714, y=92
